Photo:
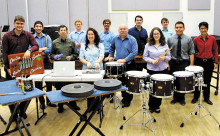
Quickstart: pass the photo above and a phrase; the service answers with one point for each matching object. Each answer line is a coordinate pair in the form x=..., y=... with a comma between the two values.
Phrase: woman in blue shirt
x=92, y=53
x=155, y=47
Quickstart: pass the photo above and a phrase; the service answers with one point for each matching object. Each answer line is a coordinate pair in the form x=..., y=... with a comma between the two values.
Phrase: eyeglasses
x=155, y=34
x=106, y=23
x=19, y=23
x=203, y=28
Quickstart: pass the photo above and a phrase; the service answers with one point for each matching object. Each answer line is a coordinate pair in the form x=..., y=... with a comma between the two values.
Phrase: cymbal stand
x=116, y=100
x=200, y=84
x=146, y=112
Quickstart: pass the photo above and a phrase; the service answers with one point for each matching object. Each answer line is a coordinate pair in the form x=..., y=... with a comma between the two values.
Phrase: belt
x=180, y=60
x=204, y=60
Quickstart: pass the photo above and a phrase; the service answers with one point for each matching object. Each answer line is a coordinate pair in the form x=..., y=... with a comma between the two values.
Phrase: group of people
x=93, y=49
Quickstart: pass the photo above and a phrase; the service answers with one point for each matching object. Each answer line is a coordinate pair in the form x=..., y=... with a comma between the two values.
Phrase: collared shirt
x=12, y=43
x=78, y=37
x=205, y=49
x=140, y=36
x=92, y=55
x=67, y=48
x=152, y=53
x=167, y=33
x=187, y=46
x=106, y=39
x=42, y=43
x=125, y=49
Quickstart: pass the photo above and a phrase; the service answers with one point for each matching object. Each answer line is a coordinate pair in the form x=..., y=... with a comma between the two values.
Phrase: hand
x=121, y=61
x=97, y=66
x=162, y=58
x=168, y=67
x=215, y=66
x=9, y=71
x=89, y=65
x=106, y=59
x=42, y=49
x=27, y=55
x=78, y=45
x=111, y=59
x=155, y=62
x=68, y=58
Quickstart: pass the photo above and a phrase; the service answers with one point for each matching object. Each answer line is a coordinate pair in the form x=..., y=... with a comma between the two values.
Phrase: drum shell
x=184, y=84
x=133, y=83
x=112, y=70
x=162, y=89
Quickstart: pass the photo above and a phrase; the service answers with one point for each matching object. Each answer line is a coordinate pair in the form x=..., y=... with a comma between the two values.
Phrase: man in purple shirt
x=17, y=41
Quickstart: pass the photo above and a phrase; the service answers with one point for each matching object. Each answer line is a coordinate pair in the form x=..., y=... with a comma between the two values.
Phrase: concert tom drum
x=114, y=69
x=197, y=70
x=162, y=85
x=184, y=81
x=133, y=79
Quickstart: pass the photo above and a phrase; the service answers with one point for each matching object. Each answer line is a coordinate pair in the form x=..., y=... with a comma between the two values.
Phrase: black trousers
x=178, y=66
x=208, y=67
x=126, y=96
x=22, y=104
x=38, y=84
x=154, y=103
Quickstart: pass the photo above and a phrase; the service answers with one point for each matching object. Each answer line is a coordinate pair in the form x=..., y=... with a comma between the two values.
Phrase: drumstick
x=166, y=52
x=11, y=93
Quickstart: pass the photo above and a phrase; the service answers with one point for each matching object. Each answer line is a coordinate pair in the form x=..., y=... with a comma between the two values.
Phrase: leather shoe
x=194, y=100
x=173, y=102
x=151, y=110
x=183, y=103
x=127, y=103
x=76, y=107
x=42, y=106
x=24, y=115
x=157, y=110
x=51, y=105
x=209, y=102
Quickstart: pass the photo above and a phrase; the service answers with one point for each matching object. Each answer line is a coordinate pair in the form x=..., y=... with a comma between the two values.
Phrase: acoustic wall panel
x=78, y=10
x=145, y=5
x=17, y=7
x=217, y=18
x=199, y=4
x=58, y=12
x=98, y=11
x=37, y=11
x=3, y=13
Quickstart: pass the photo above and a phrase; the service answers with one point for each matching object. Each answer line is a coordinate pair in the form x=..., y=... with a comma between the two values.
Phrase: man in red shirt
x=207, y=57
x=17, y=41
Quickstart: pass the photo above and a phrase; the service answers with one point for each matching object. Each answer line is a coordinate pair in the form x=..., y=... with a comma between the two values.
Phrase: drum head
x=162, y=77
x=137, y=74
x=114, y=63
x=77, y=90
x=194, y=69
x=183, y=74
x=107, y=84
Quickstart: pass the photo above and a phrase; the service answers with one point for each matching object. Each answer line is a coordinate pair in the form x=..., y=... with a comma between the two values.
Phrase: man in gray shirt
x=182, y=55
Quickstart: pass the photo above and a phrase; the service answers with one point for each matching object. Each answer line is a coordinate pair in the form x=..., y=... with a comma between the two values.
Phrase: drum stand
x=200, y=84
x=146, y=112
x=116, y=100
x=2, y=120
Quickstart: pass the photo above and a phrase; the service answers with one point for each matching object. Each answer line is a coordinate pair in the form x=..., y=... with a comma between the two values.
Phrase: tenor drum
x=184, y=81
x=114, y=69
x=133, y=80
x=197, y=70
x=162, y=85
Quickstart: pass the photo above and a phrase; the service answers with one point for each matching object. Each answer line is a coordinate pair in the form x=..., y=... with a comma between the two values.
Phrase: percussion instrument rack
x=200, y=84
x=146, y=112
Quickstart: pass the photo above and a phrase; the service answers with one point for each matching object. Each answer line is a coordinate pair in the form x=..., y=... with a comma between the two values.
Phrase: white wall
x=191, y=18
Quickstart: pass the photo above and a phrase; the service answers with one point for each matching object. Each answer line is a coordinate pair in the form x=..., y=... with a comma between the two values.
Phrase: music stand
x=200, y=84
x=144, y=110
x=5, y=28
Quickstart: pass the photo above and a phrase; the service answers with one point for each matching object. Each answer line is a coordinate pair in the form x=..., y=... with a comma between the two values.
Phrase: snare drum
x=114, y=69
x=197, y=70
x=184, y=81
x=162, y=85
x=133, y=78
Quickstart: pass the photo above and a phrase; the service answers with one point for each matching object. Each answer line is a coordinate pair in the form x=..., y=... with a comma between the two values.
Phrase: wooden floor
x=167, y=122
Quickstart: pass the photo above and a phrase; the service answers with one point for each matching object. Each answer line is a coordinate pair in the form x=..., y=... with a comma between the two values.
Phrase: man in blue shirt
x=44, y=43
x=140, y=34
x=126, y=49
x=106, y=37
x=166, y=32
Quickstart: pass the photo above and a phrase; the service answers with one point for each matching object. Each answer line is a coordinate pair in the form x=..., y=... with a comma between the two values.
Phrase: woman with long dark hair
x=92, y=53
x=155, y=47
